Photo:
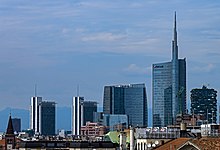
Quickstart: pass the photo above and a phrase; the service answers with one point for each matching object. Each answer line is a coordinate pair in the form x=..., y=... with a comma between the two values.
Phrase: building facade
x=48, y=115
x=204, y=102
x=93, y=129
x=169, y=87
x=114, y=122
x=35, y=118
x=77, y=114
x=127, y=99
x=42, y=116
x=16, y=124
x=89, y=110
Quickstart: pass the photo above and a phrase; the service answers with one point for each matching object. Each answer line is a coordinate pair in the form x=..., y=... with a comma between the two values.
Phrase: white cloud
x=135, y=69
x=105, y=37
x=206, y=68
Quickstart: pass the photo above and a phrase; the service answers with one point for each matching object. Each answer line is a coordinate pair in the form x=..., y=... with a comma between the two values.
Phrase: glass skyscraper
x=127, y=99
x=169, y=87
x=89, y=110
x=48, y=115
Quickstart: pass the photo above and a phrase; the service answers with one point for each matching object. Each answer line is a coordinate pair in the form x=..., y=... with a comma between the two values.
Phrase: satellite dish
x=156, y=142
x=149, y=145
x=153, y=145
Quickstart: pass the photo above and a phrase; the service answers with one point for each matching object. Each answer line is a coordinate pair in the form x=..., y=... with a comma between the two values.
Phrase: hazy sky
x=59, y=44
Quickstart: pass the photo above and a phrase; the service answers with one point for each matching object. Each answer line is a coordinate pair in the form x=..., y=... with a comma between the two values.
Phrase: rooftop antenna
x=77, y=90
x=35, y=90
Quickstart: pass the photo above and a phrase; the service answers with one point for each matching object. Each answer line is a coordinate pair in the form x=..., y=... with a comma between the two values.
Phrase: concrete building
x=35, y=121
x=92, y=129
x=67, y=145
x=130, y=100
x=204, y=102
x=169, y=87
x=77, y=114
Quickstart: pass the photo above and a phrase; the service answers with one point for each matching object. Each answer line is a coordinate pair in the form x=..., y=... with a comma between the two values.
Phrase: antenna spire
x=77, y=90
x=175, y=20
x=174, y=42
x=35, y=90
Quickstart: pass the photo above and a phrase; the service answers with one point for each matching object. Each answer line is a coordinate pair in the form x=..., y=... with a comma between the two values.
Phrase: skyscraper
x=42, y=116
x=35, y=121
x=16, y=124
x=204, y=102
x=169, y=87
x=48, y=114
x=77, y=114
x=127, y=99
x=89, y=109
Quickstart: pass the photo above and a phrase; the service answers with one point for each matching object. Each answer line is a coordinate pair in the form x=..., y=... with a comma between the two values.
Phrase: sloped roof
x=207, y=143
x=202, y=144
x=10, y=129
x=174, y=144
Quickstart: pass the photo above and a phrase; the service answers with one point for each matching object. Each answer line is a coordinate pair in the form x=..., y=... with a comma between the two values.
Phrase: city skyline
x=59, y=45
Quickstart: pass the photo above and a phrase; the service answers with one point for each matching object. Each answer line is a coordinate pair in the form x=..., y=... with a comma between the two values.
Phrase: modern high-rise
x=77, y=114
x=35, y=121
x=89, y=110
x=16, y=124
x=128, y=99
x=169, y=87
x=42, y=116
x=48, y=115
x=204, y=102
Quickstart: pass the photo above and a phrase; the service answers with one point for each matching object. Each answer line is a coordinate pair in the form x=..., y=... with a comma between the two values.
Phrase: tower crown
x=174, y=42
x=10, y=129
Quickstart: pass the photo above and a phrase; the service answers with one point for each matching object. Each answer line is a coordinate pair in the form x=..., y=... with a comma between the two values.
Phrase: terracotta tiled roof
x=207, y=143
x=202, y=143
x=174, y=144
x=2, y=144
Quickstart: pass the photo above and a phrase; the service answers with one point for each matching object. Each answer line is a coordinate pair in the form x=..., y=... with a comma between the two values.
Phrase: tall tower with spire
x=10, y=136
x=169, y=87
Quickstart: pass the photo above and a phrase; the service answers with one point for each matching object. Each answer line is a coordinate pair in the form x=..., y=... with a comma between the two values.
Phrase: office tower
x=35, y=121
x=48, y=115
x=113, y=102
x=89, y=109
x=77, y=114
x=16, y=124
x=42, y=116
x=127, y=99
x=169, y=87
x=204, y=102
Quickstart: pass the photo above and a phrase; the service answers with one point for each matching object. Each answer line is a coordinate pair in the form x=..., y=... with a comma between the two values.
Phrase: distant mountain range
x=63, y=117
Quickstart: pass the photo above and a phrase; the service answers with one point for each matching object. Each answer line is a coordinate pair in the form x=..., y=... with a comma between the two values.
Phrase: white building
x=35, y=117
x=77, y=114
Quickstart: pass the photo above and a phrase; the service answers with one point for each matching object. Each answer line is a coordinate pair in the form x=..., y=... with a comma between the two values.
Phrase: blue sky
x=59, y=44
